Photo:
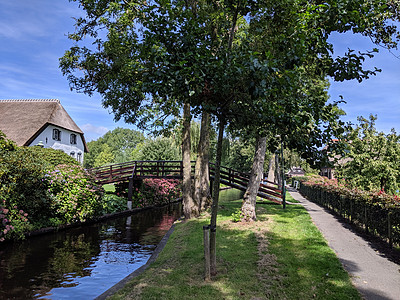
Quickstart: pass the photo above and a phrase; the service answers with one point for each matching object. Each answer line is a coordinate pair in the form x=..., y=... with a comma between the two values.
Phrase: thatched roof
x=23, y=120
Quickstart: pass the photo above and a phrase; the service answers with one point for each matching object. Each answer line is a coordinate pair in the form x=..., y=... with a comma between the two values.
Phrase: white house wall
x=46, y=137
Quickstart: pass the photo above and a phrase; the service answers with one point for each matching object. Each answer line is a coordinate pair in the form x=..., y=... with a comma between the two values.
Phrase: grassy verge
x=109, y=188
x=281, y=256
x=289, y=198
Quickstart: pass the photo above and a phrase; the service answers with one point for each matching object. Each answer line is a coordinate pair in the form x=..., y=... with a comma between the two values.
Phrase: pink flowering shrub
x=376, y=212
x=156, y=191
x=74, y=194
x=339, y=187
x=13, y=222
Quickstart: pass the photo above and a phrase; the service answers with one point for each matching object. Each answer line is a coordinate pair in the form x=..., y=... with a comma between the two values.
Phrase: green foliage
x=158, y=149
x=115, y=146
x=75, y=196
x=6, y=144
x=156, y=191
x=237, y=215
x=13, y=221
x=52, y=157
x=375, y=211
x=105, y=156
x=370, y=159
x=21, y=173
x=111, y=203
x=240, y=154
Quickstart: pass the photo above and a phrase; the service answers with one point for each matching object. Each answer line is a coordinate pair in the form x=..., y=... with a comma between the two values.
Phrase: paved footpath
x=373, y=275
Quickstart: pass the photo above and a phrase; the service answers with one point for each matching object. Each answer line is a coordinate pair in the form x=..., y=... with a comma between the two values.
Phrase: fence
x=378, y=219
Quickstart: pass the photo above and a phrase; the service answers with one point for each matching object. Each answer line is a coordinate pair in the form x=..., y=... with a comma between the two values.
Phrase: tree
x=121, y=142
x=105, y=157
x=160, y=148
x=257, y=171
x=370, y=160
x=230, y=59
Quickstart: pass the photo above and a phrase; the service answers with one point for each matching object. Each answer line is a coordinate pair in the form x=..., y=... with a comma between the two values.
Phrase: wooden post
x=130, y=188
x=181, y=169
x=110, y=172
x=365, y=218
x=351, y=212
x=207, y=268
x=390, y=230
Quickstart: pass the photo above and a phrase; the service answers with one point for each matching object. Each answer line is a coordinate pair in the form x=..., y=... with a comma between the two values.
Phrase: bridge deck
x=174, y=169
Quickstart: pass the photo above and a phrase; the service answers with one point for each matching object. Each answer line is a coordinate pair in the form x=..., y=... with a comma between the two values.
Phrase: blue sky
x=33, y=38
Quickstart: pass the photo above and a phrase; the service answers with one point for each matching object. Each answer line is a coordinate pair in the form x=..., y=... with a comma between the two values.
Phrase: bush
x=51, y=157
x=13, y=222
x=75, y=196
x=6, y=144
x=112, y=203
x=376, y=212
x=156, y=191
x=21, y=174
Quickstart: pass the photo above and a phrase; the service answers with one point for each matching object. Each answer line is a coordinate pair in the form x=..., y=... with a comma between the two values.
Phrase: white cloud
x=89, y=128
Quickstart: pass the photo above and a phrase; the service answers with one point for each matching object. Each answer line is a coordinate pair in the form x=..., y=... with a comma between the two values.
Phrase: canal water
x=82, y=263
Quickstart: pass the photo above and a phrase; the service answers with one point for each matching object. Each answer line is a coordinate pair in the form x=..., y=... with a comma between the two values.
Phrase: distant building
x=42, y=122
x=336, y=161
x=295, y=171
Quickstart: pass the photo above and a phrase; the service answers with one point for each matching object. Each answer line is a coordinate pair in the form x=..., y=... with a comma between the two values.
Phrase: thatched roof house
x=30, y=121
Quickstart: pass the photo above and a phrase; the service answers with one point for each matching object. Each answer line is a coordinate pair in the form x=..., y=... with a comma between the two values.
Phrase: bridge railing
x=233, y=177
x=174, y=169
x=143, y=169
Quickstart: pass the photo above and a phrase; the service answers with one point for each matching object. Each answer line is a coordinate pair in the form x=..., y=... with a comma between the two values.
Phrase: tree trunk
x=271, y=169
x=257, y=170
x=278, y=175
x=206, y=200
x=201, y=193
x=189, y=208
x=214, y=210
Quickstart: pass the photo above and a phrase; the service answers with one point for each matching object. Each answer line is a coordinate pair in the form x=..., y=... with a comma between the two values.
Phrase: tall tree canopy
x=249, y=63
x=371, y=158
x=115, y=146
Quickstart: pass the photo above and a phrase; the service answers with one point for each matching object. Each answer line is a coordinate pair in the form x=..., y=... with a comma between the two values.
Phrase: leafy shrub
x=112, y=203
x=21, y=174
x=6, y=144
x=375, y=211
x=13, y=222
x=51, y=157
x=237, y=215
x=75, y=196
x=156, y=191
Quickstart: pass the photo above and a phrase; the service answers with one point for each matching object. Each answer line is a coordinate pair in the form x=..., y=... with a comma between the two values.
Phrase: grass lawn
x=109, y=188
x=280, y=256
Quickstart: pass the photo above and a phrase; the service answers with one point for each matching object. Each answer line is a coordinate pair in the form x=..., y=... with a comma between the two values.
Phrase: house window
x=56, y=135
x=79, y=157
x=72, y=139
x=72, y=154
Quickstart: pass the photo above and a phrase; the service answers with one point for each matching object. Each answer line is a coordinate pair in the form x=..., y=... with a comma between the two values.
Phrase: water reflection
x=82, y=262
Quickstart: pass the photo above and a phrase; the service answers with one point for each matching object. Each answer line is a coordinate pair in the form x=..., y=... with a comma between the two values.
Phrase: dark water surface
x=82, y=263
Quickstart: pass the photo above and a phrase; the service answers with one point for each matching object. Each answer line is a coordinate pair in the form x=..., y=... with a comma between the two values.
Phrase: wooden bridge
x=174, y=169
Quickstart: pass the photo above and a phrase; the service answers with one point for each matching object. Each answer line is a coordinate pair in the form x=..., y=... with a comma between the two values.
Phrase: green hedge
x=376, y=212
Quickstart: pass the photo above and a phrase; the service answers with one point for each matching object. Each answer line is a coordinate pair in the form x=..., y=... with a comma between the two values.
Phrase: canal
x=83, y=262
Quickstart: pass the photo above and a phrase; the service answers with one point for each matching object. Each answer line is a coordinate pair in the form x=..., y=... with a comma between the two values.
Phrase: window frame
x=56, y=134
x=72, y=139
